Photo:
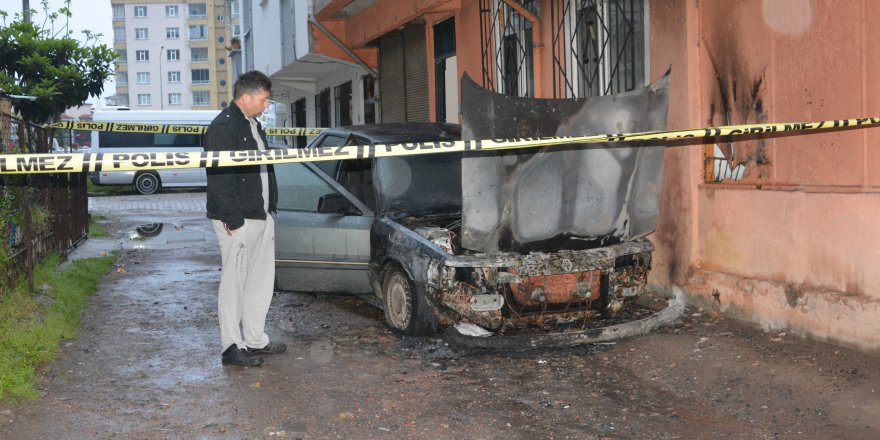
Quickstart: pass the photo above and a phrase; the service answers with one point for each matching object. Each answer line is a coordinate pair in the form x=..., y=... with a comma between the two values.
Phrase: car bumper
x=524, y=342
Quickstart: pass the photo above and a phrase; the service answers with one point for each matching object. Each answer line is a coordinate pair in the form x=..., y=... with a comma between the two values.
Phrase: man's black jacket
x=236, y=193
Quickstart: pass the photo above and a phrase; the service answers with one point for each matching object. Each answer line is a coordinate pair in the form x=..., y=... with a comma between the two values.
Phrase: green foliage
x=31, y=326
x=8, y=214
x=38, y=60
x=96, y=230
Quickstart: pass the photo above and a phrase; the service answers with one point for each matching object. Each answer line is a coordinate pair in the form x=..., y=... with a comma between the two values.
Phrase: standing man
x=240, y=200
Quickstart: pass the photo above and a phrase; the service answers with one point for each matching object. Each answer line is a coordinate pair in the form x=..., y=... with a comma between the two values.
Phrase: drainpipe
x=538, y=49
x=342, y=46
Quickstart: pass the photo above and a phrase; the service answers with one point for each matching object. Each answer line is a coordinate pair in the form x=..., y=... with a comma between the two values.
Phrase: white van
x=148, y=182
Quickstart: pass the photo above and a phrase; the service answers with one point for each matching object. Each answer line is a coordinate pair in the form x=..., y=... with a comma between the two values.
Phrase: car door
x=319, y=251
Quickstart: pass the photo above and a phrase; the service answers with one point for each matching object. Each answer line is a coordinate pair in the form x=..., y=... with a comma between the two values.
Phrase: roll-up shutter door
x=392, y=98
x=403, y=75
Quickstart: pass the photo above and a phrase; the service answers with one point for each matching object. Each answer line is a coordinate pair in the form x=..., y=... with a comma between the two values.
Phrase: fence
x=41, y=213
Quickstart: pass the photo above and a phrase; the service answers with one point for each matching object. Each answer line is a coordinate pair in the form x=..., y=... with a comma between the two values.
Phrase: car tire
x=146, y=183
x=406, y=309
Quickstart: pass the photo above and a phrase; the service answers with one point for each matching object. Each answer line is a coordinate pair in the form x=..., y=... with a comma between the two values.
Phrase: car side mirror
x=335, y=203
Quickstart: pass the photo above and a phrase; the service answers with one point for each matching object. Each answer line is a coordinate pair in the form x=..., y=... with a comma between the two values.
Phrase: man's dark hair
x=251, y=82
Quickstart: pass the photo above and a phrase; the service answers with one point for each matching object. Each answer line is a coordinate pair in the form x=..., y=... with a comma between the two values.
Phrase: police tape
x=139, y=127
x=147, y=161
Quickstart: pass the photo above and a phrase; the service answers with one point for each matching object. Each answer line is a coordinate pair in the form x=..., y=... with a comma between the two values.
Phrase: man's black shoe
x=239, y=356
x=270, y=348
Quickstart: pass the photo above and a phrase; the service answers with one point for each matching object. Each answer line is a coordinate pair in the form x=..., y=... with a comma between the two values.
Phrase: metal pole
x=25, y=10
x=161, y=93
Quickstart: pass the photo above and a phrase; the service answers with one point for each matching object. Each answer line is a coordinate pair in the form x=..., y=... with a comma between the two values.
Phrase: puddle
x=164, y=236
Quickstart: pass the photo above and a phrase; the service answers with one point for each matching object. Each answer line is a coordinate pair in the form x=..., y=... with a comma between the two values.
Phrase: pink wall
x=796, y=244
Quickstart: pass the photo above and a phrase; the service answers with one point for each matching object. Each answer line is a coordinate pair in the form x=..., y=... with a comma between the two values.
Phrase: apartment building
x=175, y=55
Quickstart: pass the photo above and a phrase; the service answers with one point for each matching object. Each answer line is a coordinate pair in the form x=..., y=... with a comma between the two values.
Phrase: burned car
x=506, y=240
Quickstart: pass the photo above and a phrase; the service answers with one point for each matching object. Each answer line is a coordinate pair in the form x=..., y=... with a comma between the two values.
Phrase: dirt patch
x=147, y=366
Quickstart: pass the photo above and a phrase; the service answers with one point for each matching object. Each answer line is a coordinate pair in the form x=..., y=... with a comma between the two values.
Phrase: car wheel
x=406, y=310
x=146, y=183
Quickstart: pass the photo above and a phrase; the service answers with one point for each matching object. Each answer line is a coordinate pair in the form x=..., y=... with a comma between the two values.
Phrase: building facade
x=175, y=55
x=776, y=231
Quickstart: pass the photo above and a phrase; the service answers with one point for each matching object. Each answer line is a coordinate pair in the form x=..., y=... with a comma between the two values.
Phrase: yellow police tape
x=88, y=162
x=140, y=127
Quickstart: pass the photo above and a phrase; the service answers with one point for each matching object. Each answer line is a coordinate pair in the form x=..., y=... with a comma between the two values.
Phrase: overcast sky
x=94, y=15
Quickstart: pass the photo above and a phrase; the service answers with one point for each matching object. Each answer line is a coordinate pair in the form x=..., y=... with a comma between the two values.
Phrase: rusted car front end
x=505, y=291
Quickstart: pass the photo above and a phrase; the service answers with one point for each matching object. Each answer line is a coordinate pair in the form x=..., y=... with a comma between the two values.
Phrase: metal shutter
x=416, y=73
x=391, y=77
x=403, y=75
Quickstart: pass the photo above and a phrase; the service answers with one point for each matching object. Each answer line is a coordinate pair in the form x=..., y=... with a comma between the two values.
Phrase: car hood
x=562, y=197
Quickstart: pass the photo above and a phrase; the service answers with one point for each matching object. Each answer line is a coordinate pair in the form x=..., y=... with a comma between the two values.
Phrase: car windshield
x=419, y=185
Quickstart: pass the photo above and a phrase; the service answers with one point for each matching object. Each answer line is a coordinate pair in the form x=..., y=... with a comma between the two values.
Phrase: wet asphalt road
x=146, y=365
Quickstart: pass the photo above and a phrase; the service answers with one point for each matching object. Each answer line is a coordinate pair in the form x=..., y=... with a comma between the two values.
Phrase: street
x=146, y=365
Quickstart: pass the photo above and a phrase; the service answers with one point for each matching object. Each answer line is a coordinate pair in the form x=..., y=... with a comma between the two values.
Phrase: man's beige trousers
x=246, y=283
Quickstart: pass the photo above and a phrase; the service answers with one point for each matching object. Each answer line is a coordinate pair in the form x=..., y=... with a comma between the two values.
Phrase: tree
x=40, y=61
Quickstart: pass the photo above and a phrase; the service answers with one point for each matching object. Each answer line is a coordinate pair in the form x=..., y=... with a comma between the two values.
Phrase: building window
x=598, y=47
x=234, y=10
x=322, y=108
x=173, y=54
x=201, y=76
x=236, y=30
x=508, y=51
x=140, y=11
x=171, y=11
x=174, y=76
x=143, y=77
x=172, y=33
x=121, y=56
x=119, y=34
x=198, y=10
x=122, y=99
x=142, y=55
x=121, y=78
x=198, y=32
x=118, y=12
x=141, y=34
x=342, y=97
x=174, y=98
x=201, y=98
x=198, y=54
x=370, y=102
x=144, y=99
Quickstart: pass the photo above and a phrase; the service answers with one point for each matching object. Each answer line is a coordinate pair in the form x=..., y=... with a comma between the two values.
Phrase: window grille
x=507, y=49
x=598, y=47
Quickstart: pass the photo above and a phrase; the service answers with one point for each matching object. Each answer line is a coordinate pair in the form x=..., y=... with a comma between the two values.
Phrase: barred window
x=598, y=47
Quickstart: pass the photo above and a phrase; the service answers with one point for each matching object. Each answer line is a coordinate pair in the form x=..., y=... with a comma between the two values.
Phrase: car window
x=330, y=166
x=299, y=188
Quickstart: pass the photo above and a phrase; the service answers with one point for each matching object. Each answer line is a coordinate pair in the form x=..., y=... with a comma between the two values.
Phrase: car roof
x=402, y=131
